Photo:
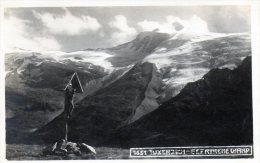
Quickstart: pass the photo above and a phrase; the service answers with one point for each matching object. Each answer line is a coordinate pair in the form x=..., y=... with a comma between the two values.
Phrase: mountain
x=180, y=58
x=98, y=116
x=183, y=59
x=215, y=110
x=35, y=80
x=137, y=49
x=34, y=89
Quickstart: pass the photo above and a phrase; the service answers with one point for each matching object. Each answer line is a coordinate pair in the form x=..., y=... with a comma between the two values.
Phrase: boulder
x=87, y=148
x=50, y=149
x=73, y=148
x=66, y=148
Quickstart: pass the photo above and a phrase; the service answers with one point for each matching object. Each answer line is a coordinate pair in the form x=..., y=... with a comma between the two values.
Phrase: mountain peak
x=144, y=44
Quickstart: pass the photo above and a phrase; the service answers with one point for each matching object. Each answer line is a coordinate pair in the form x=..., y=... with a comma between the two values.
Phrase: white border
x=255, y=24
x=87, y=3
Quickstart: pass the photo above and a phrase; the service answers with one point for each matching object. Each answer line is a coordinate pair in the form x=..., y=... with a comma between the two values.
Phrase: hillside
x=182, y=60
x=98, y=116
x=35, y=80
x=215, y=110
x=34, y=90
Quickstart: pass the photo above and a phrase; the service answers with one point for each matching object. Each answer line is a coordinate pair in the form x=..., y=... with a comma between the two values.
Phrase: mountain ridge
x=209, y=111
x=178, y=61
x=119, y=101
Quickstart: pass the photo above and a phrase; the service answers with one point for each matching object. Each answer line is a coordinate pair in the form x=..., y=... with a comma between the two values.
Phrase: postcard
x=102, y=81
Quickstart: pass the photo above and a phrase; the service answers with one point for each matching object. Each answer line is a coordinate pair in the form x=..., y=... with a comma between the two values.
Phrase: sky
x=78, y=28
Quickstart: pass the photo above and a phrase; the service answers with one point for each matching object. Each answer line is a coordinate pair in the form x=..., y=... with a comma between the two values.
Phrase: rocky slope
x=98, y=116
x=34, y=89
x=35, y=81
x=181, y=60
x=215, y=110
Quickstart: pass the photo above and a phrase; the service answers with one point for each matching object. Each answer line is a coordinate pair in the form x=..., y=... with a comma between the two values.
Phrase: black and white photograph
x=128, y=82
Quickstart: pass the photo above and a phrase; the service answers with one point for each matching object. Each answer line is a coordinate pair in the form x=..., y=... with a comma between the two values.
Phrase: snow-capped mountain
x=208, y=112
x=186, y=59
x=137, y=49
x=34, y=85
x=35, y=80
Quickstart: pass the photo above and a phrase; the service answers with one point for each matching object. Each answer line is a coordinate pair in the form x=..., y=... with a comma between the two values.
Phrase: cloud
x=17, y=33
x=166, y=26
x=123, y=31
x=68, y=24
x=196, y=25
x=193, y=25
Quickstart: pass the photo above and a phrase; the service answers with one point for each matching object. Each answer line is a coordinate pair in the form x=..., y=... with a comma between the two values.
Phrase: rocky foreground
x=66, y=148
x=35, y=152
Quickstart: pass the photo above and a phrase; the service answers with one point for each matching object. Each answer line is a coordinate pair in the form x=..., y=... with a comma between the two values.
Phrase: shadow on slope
x=215, y=110
x=98, y=116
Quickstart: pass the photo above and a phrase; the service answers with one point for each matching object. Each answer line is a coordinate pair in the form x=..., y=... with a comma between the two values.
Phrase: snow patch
x=98, y=58
x=230, y=66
